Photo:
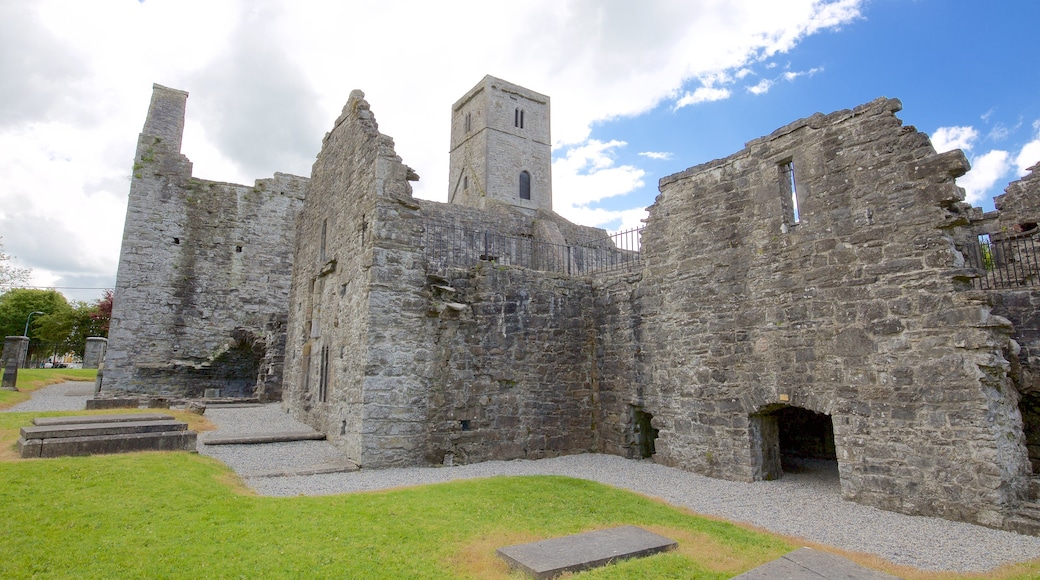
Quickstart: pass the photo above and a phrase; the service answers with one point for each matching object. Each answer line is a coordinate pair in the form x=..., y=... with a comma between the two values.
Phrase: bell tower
x=500, y=147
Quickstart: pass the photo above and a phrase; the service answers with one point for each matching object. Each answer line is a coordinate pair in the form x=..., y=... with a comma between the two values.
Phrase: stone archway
x=792, y=440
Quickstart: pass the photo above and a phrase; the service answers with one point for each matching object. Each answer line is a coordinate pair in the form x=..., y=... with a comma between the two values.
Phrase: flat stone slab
x=104, y=444
x=809, y=564
x=550, y=558
x=260, y=438
x=101, y=429
x=345, y=466
x=83, y=419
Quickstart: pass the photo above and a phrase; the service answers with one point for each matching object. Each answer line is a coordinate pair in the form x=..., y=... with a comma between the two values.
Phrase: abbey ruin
x=822, y=293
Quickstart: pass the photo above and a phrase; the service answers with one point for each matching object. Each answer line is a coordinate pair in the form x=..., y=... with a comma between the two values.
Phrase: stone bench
x=102, y=434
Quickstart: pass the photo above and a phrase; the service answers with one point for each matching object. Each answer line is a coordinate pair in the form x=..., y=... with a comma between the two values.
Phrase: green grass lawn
x=180, y=515
x=31, y=379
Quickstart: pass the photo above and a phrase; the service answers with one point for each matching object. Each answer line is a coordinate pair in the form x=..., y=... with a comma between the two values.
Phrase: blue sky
x=952, y=63
x=639, y=90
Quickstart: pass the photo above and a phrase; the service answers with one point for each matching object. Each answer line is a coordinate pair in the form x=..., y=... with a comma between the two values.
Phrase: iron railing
x=448, y=246
x=1005, y=262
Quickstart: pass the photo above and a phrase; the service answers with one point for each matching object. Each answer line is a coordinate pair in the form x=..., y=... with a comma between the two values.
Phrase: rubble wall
x=199, y=260
x=853, y=311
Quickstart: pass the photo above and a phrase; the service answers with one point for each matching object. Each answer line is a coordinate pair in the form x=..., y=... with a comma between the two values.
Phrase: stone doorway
x=793, y=440
x=642, y=434
x=1029, y=405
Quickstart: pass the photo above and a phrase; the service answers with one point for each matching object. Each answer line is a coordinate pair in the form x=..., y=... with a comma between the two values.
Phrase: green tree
x=10, y=275
x=17, y=304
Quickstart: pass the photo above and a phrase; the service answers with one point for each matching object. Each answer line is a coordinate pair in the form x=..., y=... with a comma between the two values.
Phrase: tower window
x=469, y=122
x=465, y=182
x=518, y=118
x=788, y=193
x=525, y=185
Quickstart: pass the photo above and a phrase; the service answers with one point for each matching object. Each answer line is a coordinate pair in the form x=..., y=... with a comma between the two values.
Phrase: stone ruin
x=822, y=296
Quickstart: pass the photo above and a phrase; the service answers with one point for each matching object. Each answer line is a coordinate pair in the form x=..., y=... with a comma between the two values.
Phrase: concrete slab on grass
x=809, y=564
x=550, y=558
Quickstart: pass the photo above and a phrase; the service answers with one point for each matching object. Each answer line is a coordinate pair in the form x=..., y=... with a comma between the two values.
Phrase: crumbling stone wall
x=198, y=260
x=404, y=362
x=851, y=309
x=1018, y=212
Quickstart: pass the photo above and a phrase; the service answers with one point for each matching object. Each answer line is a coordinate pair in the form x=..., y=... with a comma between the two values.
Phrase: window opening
x=238, y=249
x=176, y=241
x=324, y=230
x=465, y=182
x=521, y=118
x=789, y=192
x=525, y=185
x=469, y=122
x=516, y=117
x=323, y=383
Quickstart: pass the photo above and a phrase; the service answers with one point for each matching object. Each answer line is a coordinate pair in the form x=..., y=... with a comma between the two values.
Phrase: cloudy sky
x=639, y=90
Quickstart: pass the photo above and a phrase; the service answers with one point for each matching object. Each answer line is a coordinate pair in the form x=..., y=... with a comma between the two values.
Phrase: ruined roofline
x=814, y=121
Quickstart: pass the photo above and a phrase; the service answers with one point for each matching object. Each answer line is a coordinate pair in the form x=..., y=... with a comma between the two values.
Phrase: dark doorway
x=643, y=433
x=1029, y=405
x=792, y=440
x=806, y=440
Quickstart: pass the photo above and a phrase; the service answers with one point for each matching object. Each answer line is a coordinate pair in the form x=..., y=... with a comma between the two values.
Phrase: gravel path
x=61, y=397
x=802, y=505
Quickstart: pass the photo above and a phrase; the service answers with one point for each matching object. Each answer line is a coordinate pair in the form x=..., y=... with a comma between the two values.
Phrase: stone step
x=104, y=444
x=101, y=429
x=81, y=419
x=262, y=438
x=344, y=466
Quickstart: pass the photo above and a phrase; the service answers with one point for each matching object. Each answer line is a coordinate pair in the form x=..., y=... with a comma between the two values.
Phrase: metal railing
x=447, y=246
x=1006, y=262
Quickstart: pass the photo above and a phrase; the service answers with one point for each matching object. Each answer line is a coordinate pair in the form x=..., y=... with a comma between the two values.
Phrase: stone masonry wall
x=1017, y=216
x=513, y=353
x=853, y=311
x=199, y=260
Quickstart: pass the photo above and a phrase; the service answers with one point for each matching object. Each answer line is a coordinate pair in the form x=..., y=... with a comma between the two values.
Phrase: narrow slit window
x=465, y=182
x=516, y=117
x=521, y=118
x=525, y=185
x=323, y=382
x=788, y=193
x=469, y=122
x=324, y=231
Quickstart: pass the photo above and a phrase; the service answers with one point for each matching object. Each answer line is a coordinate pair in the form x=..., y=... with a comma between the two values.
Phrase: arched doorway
x=788, y=439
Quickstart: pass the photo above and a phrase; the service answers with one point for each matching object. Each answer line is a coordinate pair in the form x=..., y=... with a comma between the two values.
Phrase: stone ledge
x=261, y=438
x=551, y=558
x=105, y=444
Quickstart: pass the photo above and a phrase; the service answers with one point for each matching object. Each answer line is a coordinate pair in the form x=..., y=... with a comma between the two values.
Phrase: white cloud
x=587, y=174
x=986, y=171
x=792, y=75
x=662, y=155
x=1028, y=156
x=950, y=138
x=702, y=95
x=762, y=87
x=267, y=77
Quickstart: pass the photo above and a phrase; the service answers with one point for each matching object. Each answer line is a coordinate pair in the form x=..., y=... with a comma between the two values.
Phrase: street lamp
x=26, y=333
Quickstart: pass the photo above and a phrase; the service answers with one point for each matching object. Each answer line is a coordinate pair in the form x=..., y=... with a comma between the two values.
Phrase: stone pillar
x=95, y=352
x=15, y=348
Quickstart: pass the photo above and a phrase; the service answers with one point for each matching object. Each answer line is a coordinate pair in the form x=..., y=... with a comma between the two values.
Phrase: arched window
x=525, y=185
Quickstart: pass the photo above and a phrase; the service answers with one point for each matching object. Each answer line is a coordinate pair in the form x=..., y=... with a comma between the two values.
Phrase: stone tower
x=500, y=147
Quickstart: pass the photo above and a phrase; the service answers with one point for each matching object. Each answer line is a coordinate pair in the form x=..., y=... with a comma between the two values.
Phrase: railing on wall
x=447, y=246
x=1005, y=262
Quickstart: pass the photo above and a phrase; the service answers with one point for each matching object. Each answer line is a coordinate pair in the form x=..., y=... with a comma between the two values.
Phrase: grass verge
x=31, y=379
x=179, y=515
